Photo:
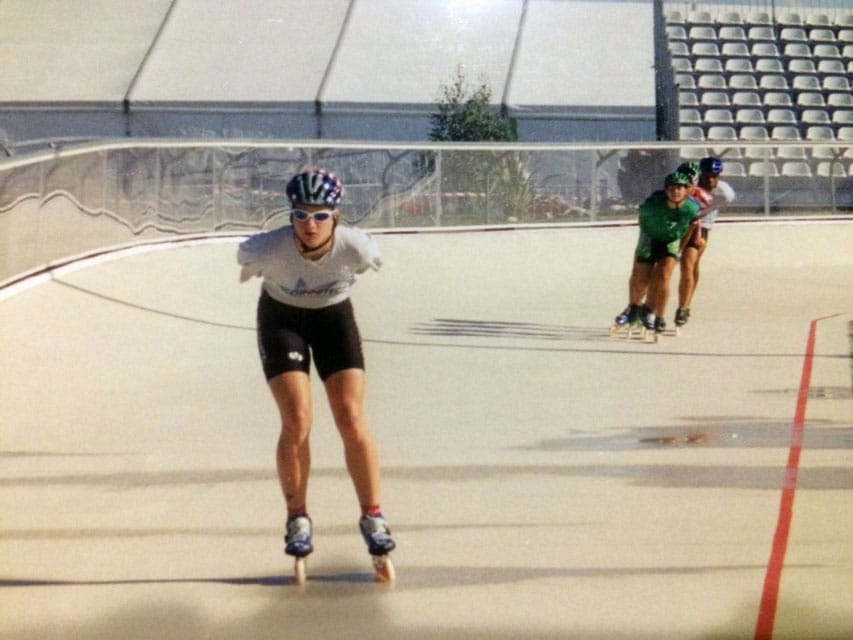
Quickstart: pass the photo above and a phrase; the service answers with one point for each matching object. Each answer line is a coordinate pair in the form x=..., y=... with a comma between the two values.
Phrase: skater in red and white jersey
x=304, y=311
x=714, y=194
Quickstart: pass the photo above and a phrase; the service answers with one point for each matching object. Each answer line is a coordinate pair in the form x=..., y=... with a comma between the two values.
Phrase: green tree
x=466, y=116
x=487, y=185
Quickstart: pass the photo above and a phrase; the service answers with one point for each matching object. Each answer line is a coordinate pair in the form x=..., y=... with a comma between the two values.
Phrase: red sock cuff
x=371, y=510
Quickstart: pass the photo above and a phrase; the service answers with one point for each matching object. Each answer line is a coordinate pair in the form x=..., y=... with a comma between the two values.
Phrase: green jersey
x=663, y=224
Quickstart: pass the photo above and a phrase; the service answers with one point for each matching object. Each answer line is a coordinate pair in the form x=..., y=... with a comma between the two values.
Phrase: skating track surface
x=542, y=479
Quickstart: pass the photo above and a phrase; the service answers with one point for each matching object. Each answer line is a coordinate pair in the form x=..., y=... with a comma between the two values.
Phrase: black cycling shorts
x=288, y=336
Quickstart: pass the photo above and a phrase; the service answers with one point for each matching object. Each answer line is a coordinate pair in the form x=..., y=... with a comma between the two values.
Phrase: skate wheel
x=299, y=572
x=384, y=569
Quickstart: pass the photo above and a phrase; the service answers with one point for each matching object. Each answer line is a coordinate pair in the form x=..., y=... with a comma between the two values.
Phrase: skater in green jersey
x=665, y=217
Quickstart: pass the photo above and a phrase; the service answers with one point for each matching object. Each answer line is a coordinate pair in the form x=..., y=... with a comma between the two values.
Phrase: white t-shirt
x=722, y=195
x=311, y=284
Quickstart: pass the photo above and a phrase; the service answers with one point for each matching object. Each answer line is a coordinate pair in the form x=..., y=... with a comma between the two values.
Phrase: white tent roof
x=346, y=67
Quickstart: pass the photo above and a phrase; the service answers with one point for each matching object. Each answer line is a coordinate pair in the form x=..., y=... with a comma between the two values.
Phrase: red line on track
x=770, y=594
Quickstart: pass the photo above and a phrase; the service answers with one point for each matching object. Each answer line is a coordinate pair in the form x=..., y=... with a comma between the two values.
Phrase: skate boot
x=376, y=534
x=682, y=314
x=628, y=315
x=650, y=321
x=298, y=537
x=660, y=325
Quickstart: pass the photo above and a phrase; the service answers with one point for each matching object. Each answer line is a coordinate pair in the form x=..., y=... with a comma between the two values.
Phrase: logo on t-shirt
x=300, y=289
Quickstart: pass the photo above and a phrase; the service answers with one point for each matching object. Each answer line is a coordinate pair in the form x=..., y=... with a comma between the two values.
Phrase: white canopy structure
x=567, y=70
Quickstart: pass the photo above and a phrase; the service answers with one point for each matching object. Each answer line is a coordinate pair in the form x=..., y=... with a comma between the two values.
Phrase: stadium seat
x=738, y=65
x=842, y=117
x=749, y=116
x=805, y=83
x=778, y=99
x=796, y=50
x=847, y=52
x=761, y=168
x=674, y=17
x=792, y=34
x=819, y=153
x=793, y=169
x=785, y=132
x=704, y=50
x=743, y=82
x=726, y=153
x=773, y=83
x=681, y=65
x=844, y=21
x=759, y=19
x=845, y=36
x=689, y=116
x=828, y=168
x=734, y=169
x=679, y=49
x=819, y=20
x=688, y=99
x=761, y=34
x=790, y=20
x=815, y=117
x=718, y=117
x=692, y=153
x=769, y=65
x=703, y=33
x=810, y=99
x=801, y=66
x=820, y=133
x=707, y=65
x=817, y=36
x=691, y=133
x=764, y=50
x=721, y=133
x=731, y=34
x=715, y=99
x=781, y=117
x=685, y=81
x=840, y=100
x=757, y=153
x=730, y=18
x=746, y=99
x=826, y=51
x=831, y=84
x=754, y=133
x=791, y=153
x=731, y=50
x=700, y=17
x=831, y=68
x=676, y=32
x=713, y=82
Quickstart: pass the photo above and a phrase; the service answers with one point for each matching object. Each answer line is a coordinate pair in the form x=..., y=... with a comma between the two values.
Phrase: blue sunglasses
x=317, y=216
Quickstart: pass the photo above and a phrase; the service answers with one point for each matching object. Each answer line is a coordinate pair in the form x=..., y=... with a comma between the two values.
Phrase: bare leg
x=345, y=390
x=638, y=284
x=689, y=273
x=660, y=284
x=292, y=393
x=699, y=255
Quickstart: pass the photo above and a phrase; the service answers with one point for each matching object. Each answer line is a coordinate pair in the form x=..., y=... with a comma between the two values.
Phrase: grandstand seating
x=748, y=76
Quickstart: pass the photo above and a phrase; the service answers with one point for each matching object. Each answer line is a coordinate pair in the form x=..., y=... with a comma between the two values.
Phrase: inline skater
x=664, y=218
x=719, y=194
x=308, y=269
